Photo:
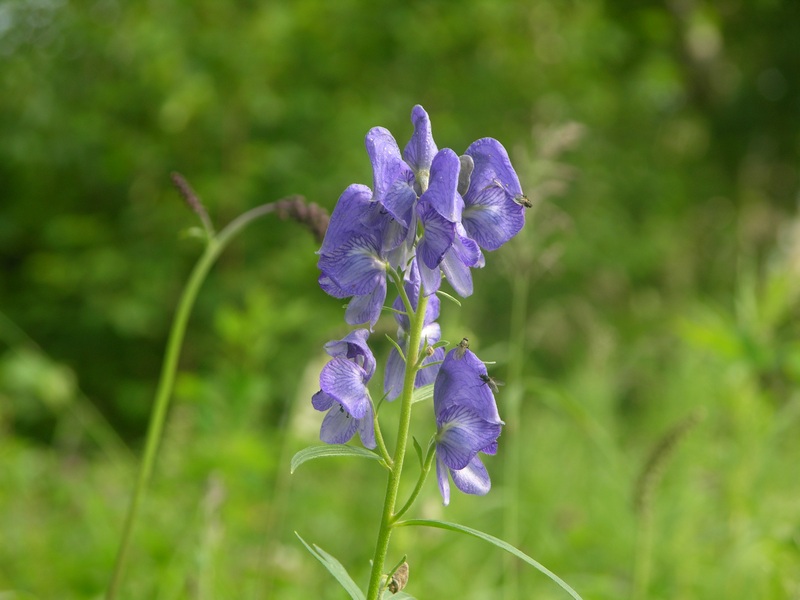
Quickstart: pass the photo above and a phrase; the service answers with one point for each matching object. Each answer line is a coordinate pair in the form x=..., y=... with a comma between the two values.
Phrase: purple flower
x=344, y=393
x=494, y=211
x=431, y=333
x=351, y=257
x=467, y=422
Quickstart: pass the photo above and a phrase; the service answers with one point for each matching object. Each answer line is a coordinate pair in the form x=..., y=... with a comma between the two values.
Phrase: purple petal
x=322, y=401
x=492, y=165
x=457, y=273
x=344, y=380
x=355, y=266
x=399, y=199
x=366, y=430
x=437, y=237
x=387, y=164
x=466, y=248
x=459, y=383
x=346, y=218
x=393, y=377
x=442, y=190
x=462, y=433
x=420, y=150
x=473, y=479
x=367, y=308
x=443, y=480
x=329, y=287
x=431, y=279
x=338, y=427
x=492, y=217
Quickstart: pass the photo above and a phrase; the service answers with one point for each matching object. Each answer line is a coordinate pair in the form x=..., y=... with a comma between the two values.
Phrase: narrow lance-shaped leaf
x=313, y=452
x=492, y=540
x=335, y=568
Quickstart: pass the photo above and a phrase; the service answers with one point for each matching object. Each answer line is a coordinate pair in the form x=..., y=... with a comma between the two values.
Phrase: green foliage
x=659, y=144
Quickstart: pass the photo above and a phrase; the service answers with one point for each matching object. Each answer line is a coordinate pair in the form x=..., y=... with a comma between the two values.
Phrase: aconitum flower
x=467, y=422
x=351, y=257
x=494, y=203
x=431, y=334
x=343, y=390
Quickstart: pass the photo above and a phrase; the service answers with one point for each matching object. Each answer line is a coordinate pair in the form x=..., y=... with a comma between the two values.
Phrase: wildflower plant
x=429, y=217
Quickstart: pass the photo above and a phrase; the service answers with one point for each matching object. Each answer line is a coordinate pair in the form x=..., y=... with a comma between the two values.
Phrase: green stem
x=393, y=483
x=167, y=379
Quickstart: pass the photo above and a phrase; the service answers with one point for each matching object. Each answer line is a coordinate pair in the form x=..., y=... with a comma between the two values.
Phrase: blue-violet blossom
x=343, y=391
x=467, y=422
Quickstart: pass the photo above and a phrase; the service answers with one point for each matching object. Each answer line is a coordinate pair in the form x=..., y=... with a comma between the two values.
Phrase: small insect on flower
x=494, y=384
x=462, y=348
x=523, y=200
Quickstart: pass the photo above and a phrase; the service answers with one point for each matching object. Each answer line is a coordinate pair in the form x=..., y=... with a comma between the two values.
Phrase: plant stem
x=167, y=379
x=393, y=483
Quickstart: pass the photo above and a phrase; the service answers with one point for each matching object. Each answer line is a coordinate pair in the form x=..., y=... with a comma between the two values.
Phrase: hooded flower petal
x=346, y=220
x=421, y=149
x=459, y=383
x=390, y=173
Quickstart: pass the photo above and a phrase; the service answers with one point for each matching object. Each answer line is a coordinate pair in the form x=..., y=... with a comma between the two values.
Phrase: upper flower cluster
x=426, y=203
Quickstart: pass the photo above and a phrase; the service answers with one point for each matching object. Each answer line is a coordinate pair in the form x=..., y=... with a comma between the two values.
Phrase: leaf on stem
x=335, y=568
x=492, y=540
x=449, y=297
x=422, y=393
x=313, y=452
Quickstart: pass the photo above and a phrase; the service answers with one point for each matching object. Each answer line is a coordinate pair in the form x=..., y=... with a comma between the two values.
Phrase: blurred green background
x=646, y=317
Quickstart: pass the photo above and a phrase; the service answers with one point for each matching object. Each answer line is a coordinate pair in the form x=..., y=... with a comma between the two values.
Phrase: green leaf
x=422, y=394
x=418, y=450
x=492, y=540
x=313, y=452
x=449, y=297
x=335, y=568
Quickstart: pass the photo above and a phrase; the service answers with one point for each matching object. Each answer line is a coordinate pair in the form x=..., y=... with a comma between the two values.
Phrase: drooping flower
x=343, y=390
x=431, y=334
x=467, y=422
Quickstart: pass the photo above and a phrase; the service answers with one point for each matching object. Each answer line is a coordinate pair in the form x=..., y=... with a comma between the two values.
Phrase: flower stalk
x=388, y=516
